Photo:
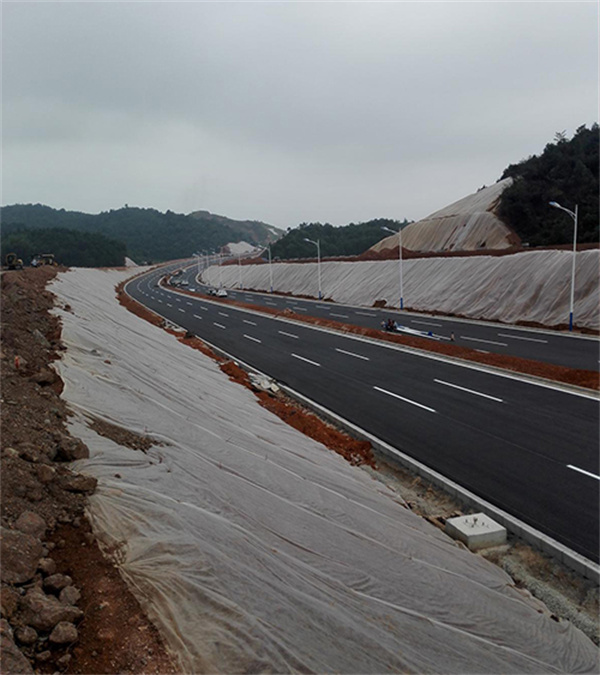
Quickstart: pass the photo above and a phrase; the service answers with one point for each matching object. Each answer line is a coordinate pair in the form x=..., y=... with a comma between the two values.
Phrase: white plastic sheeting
x=529, y=286
x=255, y=549
x=466, y=225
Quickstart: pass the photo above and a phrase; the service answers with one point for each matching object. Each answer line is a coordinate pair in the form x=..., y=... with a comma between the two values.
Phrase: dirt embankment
x=64, y=605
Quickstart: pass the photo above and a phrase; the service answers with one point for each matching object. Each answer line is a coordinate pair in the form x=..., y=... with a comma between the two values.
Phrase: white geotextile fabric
x=254, y=548
x=529, y=286
x=466, y=225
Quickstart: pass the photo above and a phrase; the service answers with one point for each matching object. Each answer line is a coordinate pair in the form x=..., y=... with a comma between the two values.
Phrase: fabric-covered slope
x=529, y=286
x=254, y=548
x=466, y=225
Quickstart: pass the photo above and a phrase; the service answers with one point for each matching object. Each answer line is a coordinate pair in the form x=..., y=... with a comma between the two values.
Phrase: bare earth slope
x=64, y=606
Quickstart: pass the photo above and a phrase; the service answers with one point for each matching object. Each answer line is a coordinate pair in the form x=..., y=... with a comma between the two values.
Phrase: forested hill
x=567, y=173
x=149, y=235
x=70, y=248
x=352, y=239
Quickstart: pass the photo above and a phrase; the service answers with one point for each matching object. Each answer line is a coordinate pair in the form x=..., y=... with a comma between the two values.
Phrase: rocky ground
x=64, y=606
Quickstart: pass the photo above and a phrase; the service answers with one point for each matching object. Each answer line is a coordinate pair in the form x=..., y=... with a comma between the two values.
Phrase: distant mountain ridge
x=253, y=231
x=148, y=234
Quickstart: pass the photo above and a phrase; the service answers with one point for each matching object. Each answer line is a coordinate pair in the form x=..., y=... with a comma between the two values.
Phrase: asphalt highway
x=563, y=349
x=531, y=450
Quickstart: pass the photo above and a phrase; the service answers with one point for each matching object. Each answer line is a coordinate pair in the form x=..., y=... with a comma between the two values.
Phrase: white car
x=221, y=293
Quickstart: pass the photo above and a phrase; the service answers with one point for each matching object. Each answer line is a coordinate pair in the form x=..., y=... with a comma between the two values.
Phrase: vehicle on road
x=221, y=293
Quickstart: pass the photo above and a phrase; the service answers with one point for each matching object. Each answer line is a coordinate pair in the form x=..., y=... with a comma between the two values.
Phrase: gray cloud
x=286, y=112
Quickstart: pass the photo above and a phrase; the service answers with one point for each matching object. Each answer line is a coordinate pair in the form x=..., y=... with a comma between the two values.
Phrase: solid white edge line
x=470, y=391
x=406, y=400
x=587, y=473
x=302, y=358
x=358, y=356
x=289, y=334
x=249, y=337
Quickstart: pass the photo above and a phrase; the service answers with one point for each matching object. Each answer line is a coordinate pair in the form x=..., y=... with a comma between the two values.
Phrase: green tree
x=566, y=172
x=352, y=239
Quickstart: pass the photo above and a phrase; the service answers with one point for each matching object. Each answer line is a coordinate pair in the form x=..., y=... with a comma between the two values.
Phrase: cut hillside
x=516, y=210
x=526, y=287
x=470, y=224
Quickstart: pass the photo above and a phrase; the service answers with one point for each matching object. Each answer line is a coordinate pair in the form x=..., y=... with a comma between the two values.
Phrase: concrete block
x=476, y=531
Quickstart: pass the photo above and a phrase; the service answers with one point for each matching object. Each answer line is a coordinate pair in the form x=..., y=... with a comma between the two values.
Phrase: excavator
x=40, y=259
x=12, y=262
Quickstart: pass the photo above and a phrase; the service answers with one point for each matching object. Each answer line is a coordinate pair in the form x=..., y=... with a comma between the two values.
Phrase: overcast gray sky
x=286, y=112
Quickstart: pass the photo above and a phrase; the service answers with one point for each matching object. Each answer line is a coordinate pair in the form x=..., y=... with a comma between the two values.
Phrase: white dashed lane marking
x=469, y=391
x=358, y=356
x=406, y=400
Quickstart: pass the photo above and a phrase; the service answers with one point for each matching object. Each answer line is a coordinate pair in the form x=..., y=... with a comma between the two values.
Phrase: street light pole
x=387, y=229
x=318, y=245
x=197, y=255
x=270, y=269
x=573, y=215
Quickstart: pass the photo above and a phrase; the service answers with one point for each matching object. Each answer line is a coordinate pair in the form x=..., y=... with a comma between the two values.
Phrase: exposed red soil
x=114, y=635
x=353, y=450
